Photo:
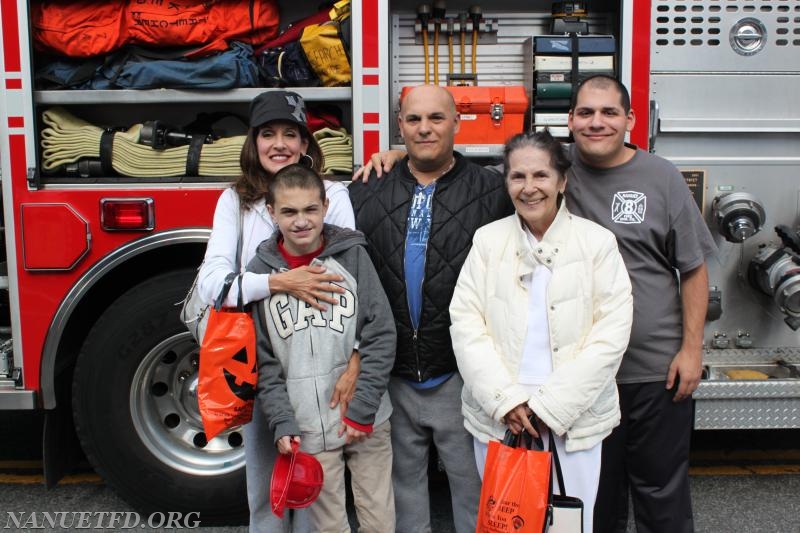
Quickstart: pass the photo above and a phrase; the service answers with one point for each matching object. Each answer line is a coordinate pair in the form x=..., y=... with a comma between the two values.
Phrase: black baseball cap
x=278, y=105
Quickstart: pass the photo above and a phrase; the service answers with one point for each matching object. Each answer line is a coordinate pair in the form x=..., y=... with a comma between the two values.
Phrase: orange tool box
x=489, y=114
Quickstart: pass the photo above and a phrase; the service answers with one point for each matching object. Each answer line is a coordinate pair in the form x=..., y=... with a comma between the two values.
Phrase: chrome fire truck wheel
x=136, y=414
x=163, y=405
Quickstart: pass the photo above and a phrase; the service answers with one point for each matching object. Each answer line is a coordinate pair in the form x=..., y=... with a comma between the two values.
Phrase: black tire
x=135, y=409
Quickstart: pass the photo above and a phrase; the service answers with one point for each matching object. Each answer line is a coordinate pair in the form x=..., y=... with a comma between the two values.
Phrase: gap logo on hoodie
x=290, y=314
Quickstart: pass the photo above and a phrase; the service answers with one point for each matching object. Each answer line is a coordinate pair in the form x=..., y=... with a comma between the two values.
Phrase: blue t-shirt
x=418, y=230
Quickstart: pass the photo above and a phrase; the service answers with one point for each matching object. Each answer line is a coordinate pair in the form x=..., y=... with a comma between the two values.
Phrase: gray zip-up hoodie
x=302, y=351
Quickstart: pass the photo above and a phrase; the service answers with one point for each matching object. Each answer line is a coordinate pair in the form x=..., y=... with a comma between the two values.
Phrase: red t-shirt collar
x=295, y=261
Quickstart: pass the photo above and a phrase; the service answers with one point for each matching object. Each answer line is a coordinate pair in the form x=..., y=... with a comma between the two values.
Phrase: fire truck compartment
x=725, y=403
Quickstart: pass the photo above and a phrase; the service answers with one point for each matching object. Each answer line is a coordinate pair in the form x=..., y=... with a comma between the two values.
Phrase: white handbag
x=194, y=312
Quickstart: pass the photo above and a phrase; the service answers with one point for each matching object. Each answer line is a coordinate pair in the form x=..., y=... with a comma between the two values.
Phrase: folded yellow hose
x=66, y=139
x=337, y=150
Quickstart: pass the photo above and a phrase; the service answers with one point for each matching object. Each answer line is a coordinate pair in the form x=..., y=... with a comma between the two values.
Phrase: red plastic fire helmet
x=296, y=481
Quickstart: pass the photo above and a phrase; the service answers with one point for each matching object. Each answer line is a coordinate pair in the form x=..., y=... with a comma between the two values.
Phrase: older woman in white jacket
x=541, y=316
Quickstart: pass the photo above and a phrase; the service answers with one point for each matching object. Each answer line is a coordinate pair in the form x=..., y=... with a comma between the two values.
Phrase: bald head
x=430, y=93
x=428, y=123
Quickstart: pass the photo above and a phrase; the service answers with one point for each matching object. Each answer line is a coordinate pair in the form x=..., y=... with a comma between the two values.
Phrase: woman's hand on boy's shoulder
x=309, y=283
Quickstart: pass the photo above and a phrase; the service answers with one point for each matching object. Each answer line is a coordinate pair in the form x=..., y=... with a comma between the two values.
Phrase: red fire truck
x=94, y=267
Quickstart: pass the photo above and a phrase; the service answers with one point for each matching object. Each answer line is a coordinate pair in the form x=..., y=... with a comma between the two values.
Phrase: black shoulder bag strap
x=551, y=447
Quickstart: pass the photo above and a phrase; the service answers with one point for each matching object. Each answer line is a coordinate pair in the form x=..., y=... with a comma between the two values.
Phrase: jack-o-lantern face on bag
x=227, y=376
x=240, y=375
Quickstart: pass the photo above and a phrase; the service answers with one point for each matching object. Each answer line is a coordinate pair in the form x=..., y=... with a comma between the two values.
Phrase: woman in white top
x=278, y=136
x=541, y=316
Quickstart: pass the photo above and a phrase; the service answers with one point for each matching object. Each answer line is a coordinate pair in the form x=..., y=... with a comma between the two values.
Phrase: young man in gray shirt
x=665, y=243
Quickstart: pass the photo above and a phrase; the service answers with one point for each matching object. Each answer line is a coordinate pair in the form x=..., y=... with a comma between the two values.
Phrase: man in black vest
x=419, y=224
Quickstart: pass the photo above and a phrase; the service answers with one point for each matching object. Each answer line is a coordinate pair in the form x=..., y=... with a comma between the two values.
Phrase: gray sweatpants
x=419, y=418
x=260, y=454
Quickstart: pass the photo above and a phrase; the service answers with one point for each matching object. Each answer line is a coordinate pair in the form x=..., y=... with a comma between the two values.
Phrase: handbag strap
x=552, y=448
x=237, y=273
x=226, y=288
x=239, y=239
x=523, y=439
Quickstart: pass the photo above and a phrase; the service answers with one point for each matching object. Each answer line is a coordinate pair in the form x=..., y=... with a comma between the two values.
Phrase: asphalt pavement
x=722, y=504
x=741, y=482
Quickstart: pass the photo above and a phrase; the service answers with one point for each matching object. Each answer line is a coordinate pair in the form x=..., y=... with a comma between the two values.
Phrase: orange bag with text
x=516, y=487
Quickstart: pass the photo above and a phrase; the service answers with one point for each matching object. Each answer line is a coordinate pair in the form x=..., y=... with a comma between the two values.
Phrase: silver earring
x=308, y=160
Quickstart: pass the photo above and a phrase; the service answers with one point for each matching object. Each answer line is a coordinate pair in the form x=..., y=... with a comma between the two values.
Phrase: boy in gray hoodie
x=302, y=352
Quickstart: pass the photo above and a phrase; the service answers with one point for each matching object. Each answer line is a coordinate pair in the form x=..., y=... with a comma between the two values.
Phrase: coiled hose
x=337, y=150
x=66, y=139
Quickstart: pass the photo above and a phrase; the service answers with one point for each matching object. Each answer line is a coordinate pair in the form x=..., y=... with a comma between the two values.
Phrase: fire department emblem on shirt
x=628, y=207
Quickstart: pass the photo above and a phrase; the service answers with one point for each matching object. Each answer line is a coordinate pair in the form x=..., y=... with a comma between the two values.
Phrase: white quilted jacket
x=589, y=310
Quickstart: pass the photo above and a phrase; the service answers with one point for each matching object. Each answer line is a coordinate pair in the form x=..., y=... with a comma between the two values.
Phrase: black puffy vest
x=466, y=198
